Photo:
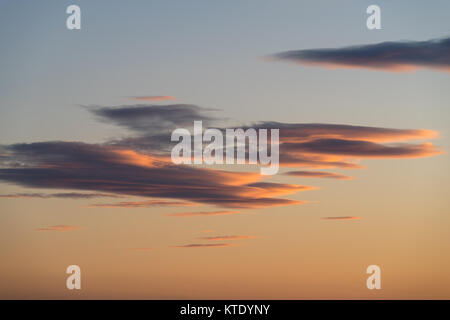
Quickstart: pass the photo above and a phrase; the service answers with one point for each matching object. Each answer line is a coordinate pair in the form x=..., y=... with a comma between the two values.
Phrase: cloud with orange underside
x=136, y=166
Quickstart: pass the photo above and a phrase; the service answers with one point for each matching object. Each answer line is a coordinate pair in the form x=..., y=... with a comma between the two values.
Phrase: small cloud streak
x=392, y=56
x=202, y=213
x=154, y=98
x=342, y=218
x=207, y=245
x=221, y=238
x=143, y=204
x=60, y=228
x=63, y=195
x=318, y=174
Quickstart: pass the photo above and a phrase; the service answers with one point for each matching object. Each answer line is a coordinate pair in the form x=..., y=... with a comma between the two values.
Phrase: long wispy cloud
x=143, y=204
x=389, y=56
x=58, y=228
x=202, y=213
x=206, y=245
x=226, y=238
x=154, y=98
x=342, y=218
x=61, y=195
x=318, y=174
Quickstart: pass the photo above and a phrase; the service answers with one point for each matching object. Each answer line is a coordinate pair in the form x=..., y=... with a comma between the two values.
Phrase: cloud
x=141, y=166
x=318, y=174
x=208, y=245
x=141, y=249
x=389, y=56
x=154, y=98
x=152, y=119
x=60, y=228
x=221, y=238
x=66, y=195
x=341, y=218
x=202, y=213
x=142, y=204
x=362, y=149
x=301, y=132
x=102, y=168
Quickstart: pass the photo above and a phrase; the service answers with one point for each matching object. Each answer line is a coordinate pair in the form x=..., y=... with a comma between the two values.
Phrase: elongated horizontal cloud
x=221, y=238
x=153, y=119
x=80, y=166
x=143, y=204
x=301, y=144
x=318, y=174
x=141, y=166
x=341, y=218
x=390, y=56
x=362, y=149
x=59, y=228
x=66, y=195
x=303, y=132
x=154, y=98
x=207, y=245
x=202, y=213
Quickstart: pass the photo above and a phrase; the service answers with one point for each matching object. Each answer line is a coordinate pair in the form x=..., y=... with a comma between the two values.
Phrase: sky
x=86, y=177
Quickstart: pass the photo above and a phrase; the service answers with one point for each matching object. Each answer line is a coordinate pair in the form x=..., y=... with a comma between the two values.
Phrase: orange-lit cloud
x=202, y=213
x=104, y=168
x=318, y=174
x=141, y=166
x=341, y=218
x=221, y=238
x=59, y=228
x=207, y=245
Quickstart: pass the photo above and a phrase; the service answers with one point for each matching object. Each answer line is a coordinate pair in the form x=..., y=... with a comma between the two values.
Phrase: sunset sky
x=86, y=176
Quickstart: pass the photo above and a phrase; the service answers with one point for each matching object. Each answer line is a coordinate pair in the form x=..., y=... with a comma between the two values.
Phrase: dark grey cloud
x=61, y=195
x=363, y=149
x=99, y=168
x=392, y=55
x=153, y=119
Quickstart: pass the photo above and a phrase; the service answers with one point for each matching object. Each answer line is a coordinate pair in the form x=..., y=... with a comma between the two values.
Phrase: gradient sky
x=214, y=55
